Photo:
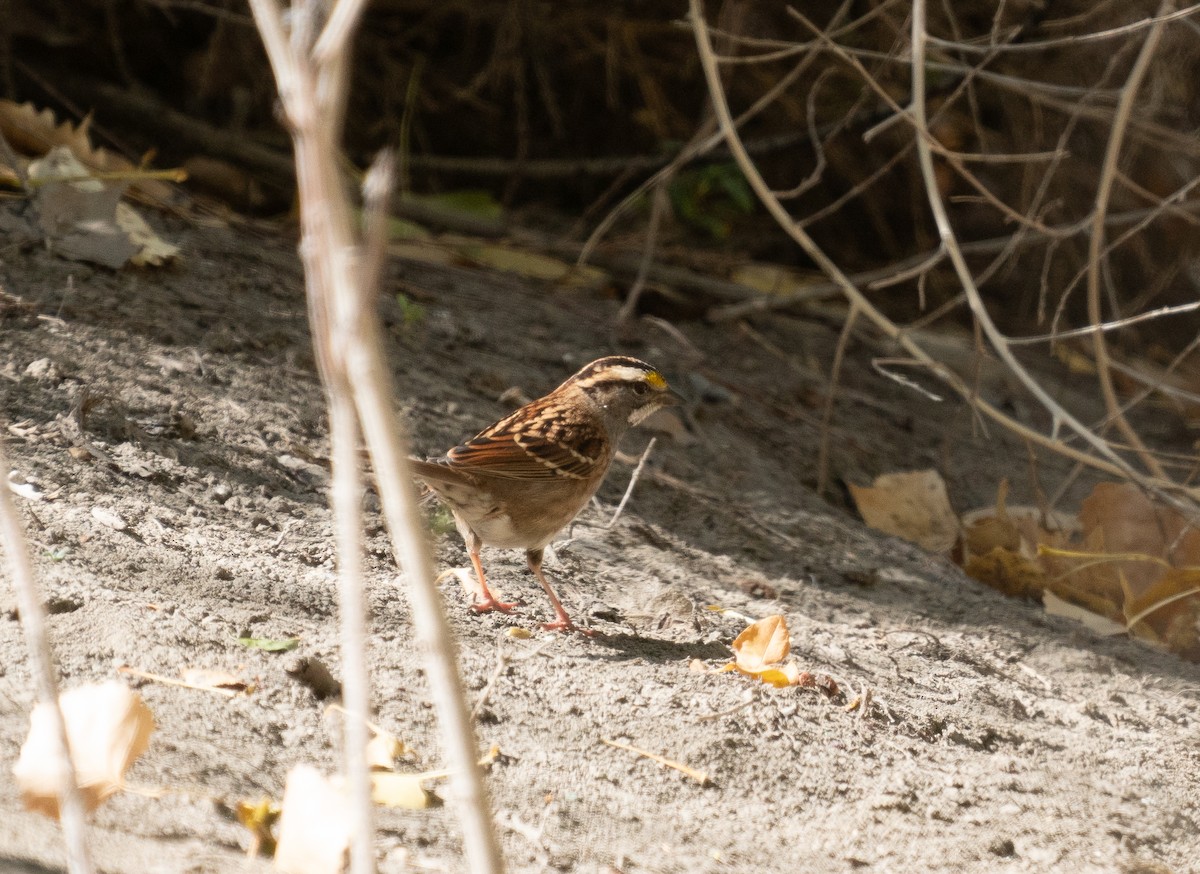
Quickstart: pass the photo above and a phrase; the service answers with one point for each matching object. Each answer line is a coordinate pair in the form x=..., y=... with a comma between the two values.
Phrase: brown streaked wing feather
x=529, y=445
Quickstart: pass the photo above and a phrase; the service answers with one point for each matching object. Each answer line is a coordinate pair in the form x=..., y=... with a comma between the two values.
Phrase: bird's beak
x=670, y=398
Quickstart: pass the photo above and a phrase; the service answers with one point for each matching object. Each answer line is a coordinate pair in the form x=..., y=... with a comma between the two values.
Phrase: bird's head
x=624, y=390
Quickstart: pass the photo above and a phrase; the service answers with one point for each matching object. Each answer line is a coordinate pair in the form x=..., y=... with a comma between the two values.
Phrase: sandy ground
x=998, y=739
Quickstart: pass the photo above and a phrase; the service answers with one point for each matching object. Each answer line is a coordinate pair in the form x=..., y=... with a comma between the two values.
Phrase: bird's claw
x=487, y=605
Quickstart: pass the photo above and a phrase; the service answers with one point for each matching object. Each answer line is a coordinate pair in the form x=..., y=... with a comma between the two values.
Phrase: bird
x=520, y=481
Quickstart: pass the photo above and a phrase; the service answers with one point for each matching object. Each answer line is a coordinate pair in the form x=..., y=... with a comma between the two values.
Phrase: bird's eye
x=640, y=388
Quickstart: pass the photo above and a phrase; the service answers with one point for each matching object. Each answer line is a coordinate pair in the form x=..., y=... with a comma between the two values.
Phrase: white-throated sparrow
x=519, y=482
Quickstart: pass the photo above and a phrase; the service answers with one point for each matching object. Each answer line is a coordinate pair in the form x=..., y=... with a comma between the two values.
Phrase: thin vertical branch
x=346, y=500
x=341, y=273
x=1108, y=173
x=835, y=374
x=72, y=811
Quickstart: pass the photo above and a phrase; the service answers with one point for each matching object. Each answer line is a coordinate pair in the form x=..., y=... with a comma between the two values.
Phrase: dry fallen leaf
x=314, y=827
x=913, y=506
x=764, y=643
x=1011, y=573
x=1056, y=606
x=777, y=279
x=210, y=678
x=108, y=727
x=1122, y=519
x=152, y=250
x=401, y=790
x=383, y=750
x=84, y=219
x=759, y=652
x=1169, y=612
x=31, y=131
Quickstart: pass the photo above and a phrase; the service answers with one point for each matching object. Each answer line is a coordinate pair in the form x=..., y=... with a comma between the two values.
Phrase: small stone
x=110, y=518
x=1002, y=847
x=43, y=370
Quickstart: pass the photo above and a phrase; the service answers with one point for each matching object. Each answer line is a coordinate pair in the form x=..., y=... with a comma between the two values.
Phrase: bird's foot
x=490, y=603
x=565, y=625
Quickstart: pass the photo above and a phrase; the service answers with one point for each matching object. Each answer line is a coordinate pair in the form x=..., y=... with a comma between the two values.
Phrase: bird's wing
x=531, y=444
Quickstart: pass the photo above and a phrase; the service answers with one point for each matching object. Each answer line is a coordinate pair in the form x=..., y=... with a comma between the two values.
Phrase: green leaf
x=267, y=645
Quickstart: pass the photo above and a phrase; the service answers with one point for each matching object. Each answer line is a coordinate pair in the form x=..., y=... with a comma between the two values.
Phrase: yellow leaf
x=534, y=265
x=780, y=676
x=776, y=279
x=108, y=727
x=762, y=644
x=259, y=817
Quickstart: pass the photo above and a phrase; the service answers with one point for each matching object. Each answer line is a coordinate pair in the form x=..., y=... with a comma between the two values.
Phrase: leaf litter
x=1125, y=563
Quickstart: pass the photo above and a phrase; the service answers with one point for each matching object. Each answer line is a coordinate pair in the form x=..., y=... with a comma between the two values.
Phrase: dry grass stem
x=699, y=776
x=72, y=809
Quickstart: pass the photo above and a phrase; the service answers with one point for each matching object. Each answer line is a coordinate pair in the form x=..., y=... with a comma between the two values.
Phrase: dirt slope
x=999, y=739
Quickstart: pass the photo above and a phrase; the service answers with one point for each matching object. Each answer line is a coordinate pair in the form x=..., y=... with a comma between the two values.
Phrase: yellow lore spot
x=655, y=379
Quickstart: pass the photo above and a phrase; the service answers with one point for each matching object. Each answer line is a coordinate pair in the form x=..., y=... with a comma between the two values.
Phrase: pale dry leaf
x=1056, y=606
x=775, y=278
x=314, y=826
x=26, y=490
x=401, y=790
x=85, y=219
x=108, y=727
x=383, y=750
x=78, y=214
x=763, y=644
x=152, y=250
x=910, y=505
x=467, y=579
x=211, y=678
x=31, y=131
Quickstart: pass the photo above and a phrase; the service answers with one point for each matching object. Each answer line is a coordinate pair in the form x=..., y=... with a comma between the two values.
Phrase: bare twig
x=659, y=204
x=699, y=776
x=835, y=372
x=41, y=665
x=1101, y=457
x=1096, y=242
x=310, y=66
x=637, y=472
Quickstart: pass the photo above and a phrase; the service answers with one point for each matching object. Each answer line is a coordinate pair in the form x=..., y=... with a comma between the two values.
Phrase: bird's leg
x=563, y=622
x=488, y=601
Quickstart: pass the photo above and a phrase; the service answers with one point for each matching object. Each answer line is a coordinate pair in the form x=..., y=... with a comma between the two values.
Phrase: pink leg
x=563, y=622
x=489, y=601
